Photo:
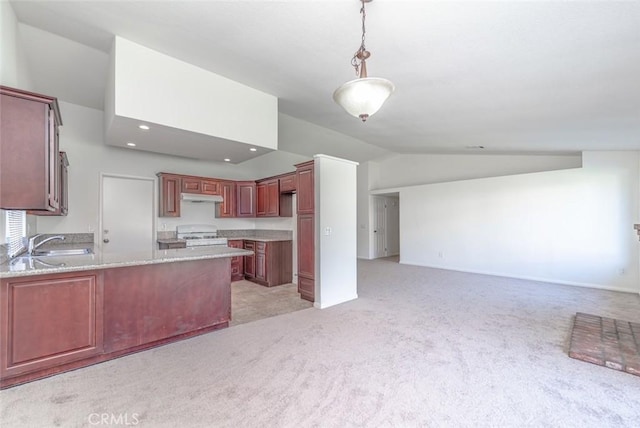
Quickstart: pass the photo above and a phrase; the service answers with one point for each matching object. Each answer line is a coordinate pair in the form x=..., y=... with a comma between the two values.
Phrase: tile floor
x=251, y=302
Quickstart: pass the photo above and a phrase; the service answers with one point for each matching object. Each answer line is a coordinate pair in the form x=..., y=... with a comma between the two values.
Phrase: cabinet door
x=210, y=187
x=29, y=135
x=288, y=183
x=262, y=195
x=49, y=320
x=191, y=185
x=306, y=245
x=63, y=190
x=273, y=198
x=306, y=192
x=228, y=206
x=237, y=262
x=169, y=195
x=64, y=184
x=261, y=261
x=250, y=261
x=246, y=199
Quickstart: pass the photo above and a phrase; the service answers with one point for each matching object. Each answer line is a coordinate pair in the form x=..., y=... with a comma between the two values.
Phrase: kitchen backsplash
x=263, y=233
x=238, y=233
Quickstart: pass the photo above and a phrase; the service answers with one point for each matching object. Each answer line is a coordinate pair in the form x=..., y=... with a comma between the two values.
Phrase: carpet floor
x=419, y=347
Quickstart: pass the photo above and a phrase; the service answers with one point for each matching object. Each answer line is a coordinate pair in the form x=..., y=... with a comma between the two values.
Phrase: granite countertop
x=257, y=238
x=48, y=265
x=171, y=241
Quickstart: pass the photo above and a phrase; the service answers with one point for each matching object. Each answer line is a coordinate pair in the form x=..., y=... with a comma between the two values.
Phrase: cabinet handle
x=105, y=240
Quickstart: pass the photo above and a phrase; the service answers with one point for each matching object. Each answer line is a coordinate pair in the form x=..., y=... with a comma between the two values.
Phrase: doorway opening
x=386, y=226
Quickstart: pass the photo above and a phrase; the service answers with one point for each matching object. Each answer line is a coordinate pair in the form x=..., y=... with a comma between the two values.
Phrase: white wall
x=82, y=138
x=572, y=226
x=336, y=231
x=153, y=87
x=409, y=170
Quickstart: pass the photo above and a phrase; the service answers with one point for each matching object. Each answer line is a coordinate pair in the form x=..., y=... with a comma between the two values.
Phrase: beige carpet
x=420, y=347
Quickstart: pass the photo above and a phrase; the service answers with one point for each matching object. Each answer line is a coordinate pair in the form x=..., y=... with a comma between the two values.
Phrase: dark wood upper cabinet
x=200, y=185
x=29, y=159
x=288, y=183
x=228, y=206
x=270, y=202
x=169, y=192
x=305, y=188
x=63, y=183
x=246, y=199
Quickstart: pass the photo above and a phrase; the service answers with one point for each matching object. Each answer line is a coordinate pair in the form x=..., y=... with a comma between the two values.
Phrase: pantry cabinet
x=29, y=155
x=306, y=230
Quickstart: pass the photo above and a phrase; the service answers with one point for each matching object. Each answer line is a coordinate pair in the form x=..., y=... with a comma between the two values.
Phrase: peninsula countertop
x=27, y=266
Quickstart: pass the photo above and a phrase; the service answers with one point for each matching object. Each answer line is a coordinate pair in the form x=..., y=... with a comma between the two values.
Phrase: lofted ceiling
x=512, y=77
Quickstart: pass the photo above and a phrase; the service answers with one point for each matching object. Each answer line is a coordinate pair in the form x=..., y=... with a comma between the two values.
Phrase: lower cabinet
x=150, y=303
x=55, y=323
x=250, y=261
x=237, y=262
x=50, y=320
x=271, y=264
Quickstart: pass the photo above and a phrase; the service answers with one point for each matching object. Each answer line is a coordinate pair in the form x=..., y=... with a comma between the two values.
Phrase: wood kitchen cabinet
x=29, y=159
x=148, y=304
x=227, y=208
x=169, y=192
x=271, y=263
x=63, y=183
x=250, y=261
x=306, y=230
x=246, y=199
x=49, y=320
x=270, y=202
x=200, y=185
x=288, y=183
x=237, y=262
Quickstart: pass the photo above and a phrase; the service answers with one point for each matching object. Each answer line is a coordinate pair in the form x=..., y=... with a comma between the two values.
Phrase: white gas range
x=200, y=235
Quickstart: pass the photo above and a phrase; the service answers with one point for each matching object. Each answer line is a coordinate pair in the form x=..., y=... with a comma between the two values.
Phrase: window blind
x=16, y=231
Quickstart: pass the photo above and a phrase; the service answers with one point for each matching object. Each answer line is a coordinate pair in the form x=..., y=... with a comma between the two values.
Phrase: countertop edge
x=169, y=256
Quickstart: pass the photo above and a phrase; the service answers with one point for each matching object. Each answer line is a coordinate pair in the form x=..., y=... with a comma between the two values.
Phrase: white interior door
x=127, y=214
x=379, y=227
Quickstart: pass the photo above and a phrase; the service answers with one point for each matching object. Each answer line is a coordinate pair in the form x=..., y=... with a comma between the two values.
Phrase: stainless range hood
x=194, y=197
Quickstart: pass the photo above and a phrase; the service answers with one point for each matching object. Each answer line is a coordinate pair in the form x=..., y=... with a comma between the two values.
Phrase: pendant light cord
x=360, y=55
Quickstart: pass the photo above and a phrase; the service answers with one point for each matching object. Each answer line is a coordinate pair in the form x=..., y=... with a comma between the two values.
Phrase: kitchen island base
x=53, y=323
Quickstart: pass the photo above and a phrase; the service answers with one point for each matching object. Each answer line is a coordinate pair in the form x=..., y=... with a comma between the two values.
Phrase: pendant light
x=363, y=96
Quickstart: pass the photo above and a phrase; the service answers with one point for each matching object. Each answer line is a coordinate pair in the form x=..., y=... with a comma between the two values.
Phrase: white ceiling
x=514, y=77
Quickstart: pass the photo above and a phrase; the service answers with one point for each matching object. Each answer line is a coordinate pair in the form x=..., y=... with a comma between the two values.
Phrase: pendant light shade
x=364, y=96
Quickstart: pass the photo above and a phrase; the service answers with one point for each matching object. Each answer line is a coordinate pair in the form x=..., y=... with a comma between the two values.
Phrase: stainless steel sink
x=62, y=252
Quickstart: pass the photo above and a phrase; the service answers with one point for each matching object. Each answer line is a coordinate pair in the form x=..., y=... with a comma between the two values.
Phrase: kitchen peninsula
x=60, y=314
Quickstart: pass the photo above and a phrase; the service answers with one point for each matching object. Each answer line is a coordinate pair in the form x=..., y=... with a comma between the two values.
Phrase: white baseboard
x=528, y=278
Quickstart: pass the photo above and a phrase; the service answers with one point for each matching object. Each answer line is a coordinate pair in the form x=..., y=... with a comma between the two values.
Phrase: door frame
x=128, y=177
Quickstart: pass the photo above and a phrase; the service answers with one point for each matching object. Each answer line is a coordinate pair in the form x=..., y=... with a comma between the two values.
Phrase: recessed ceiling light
x=253, y=149
x=227, y=160
x=131, y=144
x=143, y=127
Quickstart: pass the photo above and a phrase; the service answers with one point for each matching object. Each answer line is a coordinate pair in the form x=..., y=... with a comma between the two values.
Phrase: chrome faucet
x=32, y=242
